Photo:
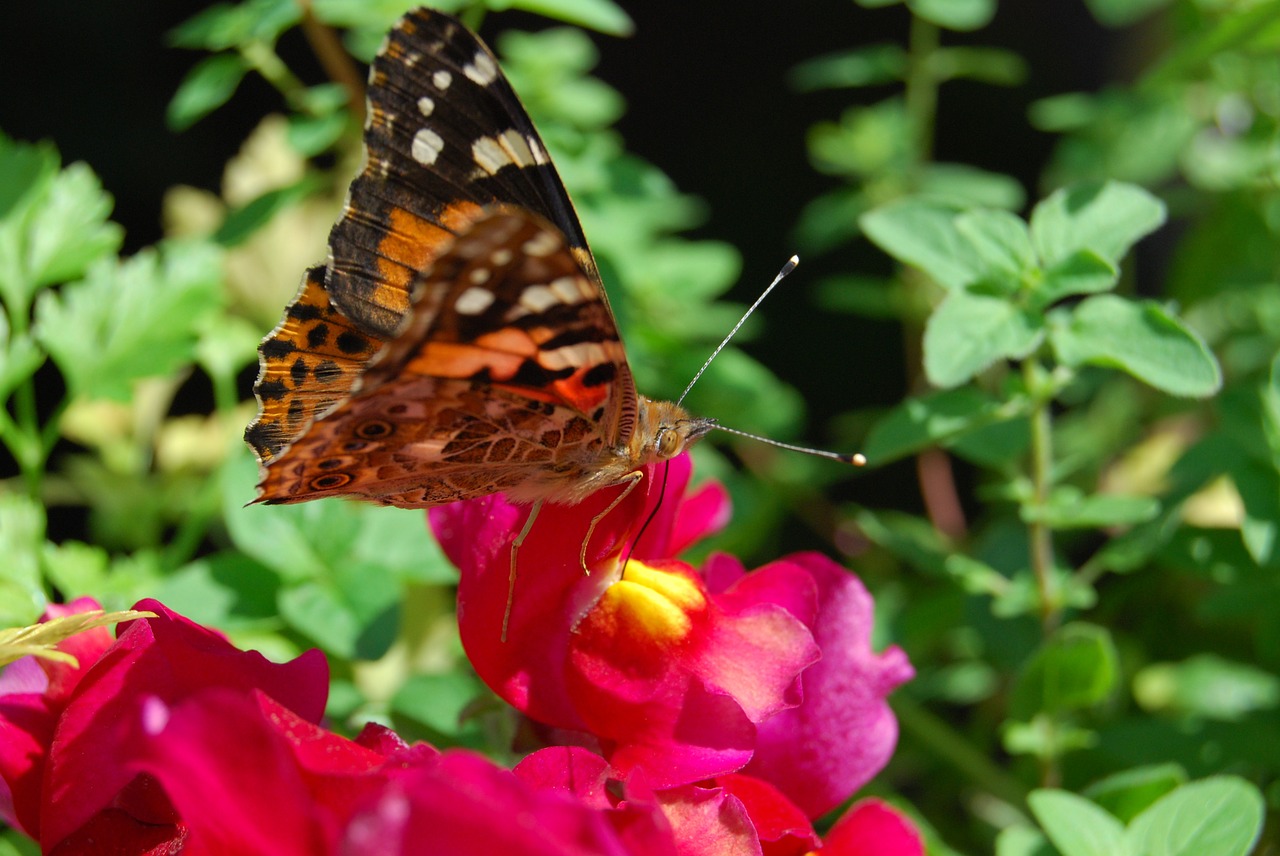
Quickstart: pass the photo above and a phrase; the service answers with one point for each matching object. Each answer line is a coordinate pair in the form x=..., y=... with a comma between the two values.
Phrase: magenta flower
x=75, y=781
x=681, y=675
x=667, y=677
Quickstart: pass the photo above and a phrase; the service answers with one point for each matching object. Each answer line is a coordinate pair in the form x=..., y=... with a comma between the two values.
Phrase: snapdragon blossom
x=680, y=674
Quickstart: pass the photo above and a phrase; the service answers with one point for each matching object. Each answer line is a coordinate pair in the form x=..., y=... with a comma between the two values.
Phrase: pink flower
x=33, y=694
x=79, y=782
x=668, y=677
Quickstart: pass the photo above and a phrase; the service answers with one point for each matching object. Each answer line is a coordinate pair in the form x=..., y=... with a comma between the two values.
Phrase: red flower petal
x=873, y=828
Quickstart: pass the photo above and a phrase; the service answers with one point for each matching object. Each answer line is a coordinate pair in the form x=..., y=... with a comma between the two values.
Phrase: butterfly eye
x=668, y=443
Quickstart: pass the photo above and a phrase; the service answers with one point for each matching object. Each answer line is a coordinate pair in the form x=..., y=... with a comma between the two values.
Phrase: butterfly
x=458, y=341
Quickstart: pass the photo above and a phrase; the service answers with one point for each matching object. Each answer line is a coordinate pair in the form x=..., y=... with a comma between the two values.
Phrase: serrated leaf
x=870, y=65
x=1106, y=218
x=130, y=320
x=960, y=15
x=22, y=593
x=1000, y=239
x=24, y=170
x=1082, y=272
x=1218, y=816
x=1076, y=668
x=207, y=86
x=1076, y=826
x=1140, y=338
x=925, y=421
x=54, y=232
x=968, y=333
x=922, y=234
x=20, y=357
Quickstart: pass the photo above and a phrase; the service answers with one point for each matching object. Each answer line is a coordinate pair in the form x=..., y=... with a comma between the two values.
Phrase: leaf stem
x=1040, y=534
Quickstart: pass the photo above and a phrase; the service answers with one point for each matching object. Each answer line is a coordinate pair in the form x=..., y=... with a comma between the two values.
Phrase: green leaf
x=925, y=421
x=1259, y=488
x=1207, y=685
x=1077, y=827
x=603, y=16
x=1022, y=841
x=967, y=186
x=923, y=234
x=1000, y=239
x=55, y=229
x=130, y=320
x=961, y=15
x=968, y=333
x=987, y=65
x=1218, y=816
x=1129, y=792
x=1069, y=508
x=1076, y=668
x=440, y=702
x=912, y=539
x=241, y=223
x=352, y=612
x=25, y=170
x=1106, y=218
x=22, y=530
x=1082, y=272
x=1140, y=338
x=20, y=357
x=1121, y=13
x=223, y=26
x=208, y=86
x=870, y=65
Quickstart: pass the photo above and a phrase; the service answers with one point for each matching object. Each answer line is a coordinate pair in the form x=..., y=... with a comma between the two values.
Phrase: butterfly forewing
x=459, y=341
x=445, y=135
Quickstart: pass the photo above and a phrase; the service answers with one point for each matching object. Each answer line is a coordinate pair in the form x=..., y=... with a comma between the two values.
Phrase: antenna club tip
x=794, y=260
x=857, y=459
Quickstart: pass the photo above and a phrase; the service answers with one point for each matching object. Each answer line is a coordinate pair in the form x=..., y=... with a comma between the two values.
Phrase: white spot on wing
x=566, y=288
x=427, y=146
x=481, y=69
x=473, y=301
x=426, y=106
x=541, y=244
x=442, y=79
x=500, y=257
x=510, y=148
x=536, y=150
x=479, y=276
x=538, y=298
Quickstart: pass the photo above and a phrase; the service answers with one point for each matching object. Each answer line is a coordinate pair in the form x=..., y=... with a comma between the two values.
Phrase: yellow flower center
x=652, y=603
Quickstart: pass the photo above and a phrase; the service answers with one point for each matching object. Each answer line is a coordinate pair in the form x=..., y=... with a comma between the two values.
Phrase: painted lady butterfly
x=458, y=342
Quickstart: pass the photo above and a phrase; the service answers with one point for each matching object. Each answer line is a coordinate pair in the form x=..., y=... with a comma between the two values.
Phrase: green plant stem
x=921, y=92
x=262, y=59
x=1040, y=534
x=943, y=743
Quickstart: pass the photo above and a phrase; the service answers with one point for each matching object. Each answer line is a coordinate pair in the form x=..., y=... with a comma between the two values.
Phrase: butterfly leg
x=632, y=480
x=515, y=551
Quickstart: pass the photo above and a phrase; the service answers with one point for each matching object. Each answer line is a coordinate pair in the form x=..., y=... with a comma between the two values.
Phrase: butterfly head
x=666, y=430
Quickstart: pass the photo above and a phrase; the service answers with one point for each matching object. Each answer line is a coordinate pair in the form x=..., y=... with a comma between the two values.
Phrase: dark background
x=708, y=104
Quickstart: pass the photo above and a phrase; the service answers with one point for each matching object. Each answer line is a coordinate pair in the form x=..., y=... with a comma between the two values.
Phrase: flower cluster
x=682, y=711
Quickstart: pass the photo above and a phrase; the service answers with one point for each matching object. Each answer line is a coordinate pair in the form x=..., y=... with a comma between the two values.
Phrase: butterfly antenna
x=857, y=459
x=786, y=269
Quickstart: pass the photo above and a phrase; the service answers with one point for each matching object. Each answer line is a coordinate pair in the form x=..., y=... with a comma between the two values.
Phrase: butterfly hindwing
x=508, y=375
x=445, y=137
